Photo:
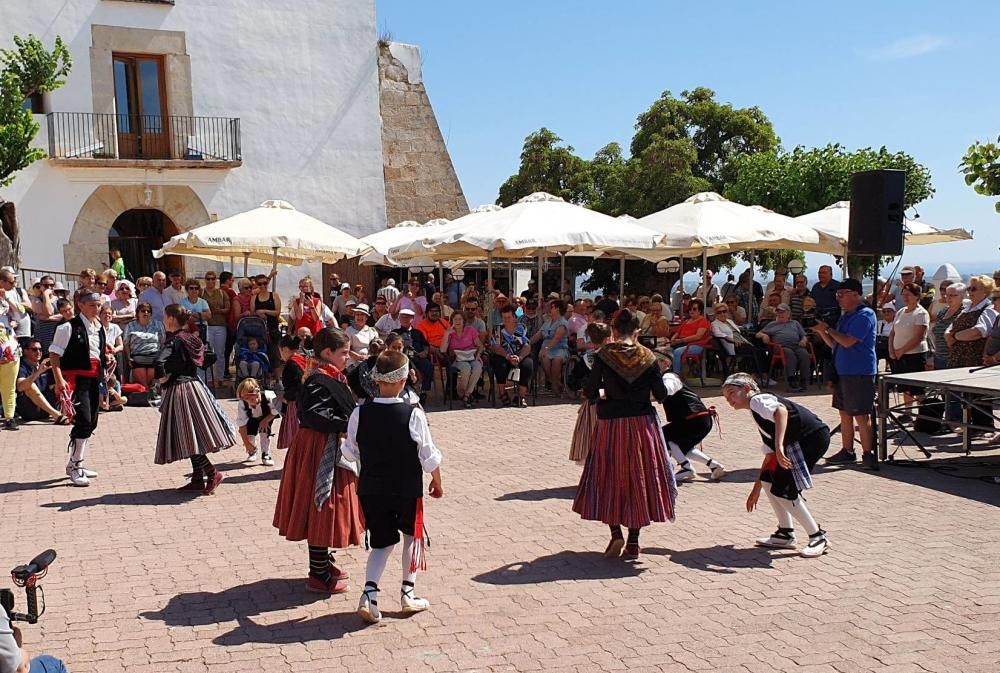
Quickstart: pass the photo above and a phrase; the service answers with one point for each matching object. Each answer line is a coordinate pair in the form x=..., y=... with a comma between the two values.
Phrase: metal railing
x=71, y=281
x=88, y=135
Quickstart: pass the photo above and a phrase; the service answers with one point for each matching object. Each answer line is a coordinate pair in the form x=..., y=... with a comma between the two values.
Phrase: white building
x=177, y=111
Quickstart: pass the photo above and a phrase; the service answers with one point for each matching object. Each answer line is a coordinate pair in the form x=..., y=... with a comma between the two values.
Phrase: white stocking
x=801, y=513
x=697, y=454
x=79, y=450
x=408, y=575
x=265, y=442
x=781, y=510
x=676, y=452
x=377, y=559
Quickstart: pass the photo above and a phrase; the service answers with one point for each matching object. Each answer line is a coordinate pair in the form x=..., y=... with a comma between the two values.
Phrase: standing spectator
x=800, y=290
x=918, y=278
x=226, y=281
x=118, y=264
x=824, y=290
x=16, y=304
x=88, y=280
x=954, y=296
x=788, y=335
x=905, y=276
x=532, y=291
x=853, y=344
x=44, y=304
x=175, y=293
x=123, y=305
x=267, y=305
x=36, y=392
x=454, y=289
x=966, y=337
x=692, y=336
x=940, y=299
x=306, y=309
x=413, y=299
x=10, y=364
x=342, y=304
x=462, y=344
x=389, y=292
x=334, y=288
x=883, y=328
x=155, y=296
x=707, y=291
x=360, y=295
x=143, y=339
x=908, y=340
x=729, y=287
x=218, y=304
x=747, y=297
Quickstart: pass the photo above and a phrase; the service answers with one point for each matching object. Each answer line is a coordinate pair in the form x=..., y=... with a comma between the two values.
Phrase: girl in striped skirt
x=586, y=416
x=291, y=380
x=192, y=424
x=626, y=480
x=794, y=440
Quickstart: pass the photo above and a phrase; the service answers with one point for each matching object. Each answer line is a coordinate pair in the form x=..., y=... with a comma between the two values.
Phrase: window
x=35, y=103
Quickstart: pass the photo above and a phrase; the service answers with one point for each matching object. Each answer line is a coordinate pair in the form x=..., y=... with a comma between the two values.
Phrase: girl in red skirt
x=291, y=380
x=318, y=495
x=626, y=480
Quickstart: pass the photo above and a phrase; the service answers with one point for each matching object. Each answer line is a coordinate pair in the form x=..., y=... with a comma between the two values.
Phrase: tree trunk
x=10, y=240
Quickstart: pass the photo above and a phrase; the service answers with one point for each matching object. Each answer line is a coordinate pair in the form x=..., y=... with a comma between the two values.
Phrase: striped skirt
x=289, y=425
x=191, y=423
x=626, y=480
x=583, y=433
x=339, y=523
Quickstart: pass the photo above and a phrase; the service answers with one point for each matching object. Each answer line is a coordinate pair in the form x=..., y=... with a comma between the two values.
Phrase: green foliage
x=981, y=166
x=29, y=69
x=549, y=167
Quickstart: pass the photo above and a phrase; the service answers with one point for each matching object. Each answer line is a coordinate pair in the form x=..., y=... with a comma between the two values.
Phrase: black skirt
x=782, y=481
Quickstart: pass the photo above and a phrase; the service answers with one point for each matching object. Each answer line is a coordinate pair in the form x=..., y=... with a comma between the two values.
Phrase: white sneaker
x=252, y=457
x=90, y=474
x=368, y=606
x=78, y=477
x=818, y=544
x=410, y=603
x=783, y=538
x=687, y=474
x=266, y=460
x=718, y=472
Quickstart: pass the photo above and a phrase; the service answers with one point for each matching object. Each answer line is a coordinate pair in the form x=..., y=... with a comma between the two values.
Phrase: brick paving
x=148, y=580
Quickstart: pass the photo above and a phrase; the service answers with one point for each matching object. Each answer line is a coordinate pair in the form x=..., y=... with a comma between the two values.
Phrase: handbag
x=465, y=355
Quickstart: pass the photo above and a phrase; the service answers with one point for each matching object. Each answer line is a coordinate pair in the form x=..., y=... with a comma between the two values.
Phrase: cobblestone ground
x=148, y=580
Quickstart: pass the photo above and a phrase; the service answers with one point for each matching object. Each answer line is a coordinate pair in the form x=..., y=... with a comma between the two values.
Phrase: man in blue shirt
x=853, y=344
x=824, y=291
x=36, y=397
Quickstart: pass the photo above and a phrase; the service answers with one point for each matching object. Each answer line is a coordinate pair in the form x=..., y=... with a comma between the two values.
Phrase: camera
x=829, y=315
x=27, y=576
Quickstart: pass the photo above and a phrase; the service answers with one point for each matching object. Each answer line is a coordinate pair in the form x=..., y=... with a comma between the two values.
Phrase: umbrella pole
x=704, y=275
x=621, y=281
x=274, y=267
x=489, y=270
x=232, y=264
x=246, y=260
x=843, y=269
x=562, y=272
x=441, y=277
x=510, y=275
x=541, y=270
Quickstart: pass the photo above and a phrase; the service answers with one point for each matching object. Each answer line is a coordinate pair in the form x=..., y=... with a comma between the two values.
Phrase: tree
x=27, y=70
x=981, y=166
x=549, y=167
x=806, y=180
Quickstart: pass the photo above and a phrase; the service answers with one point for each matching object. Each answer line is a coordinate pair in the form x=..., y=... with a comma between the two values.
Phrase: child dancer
x=255, y=414
x=318, y=496
x=392, y=442
x=291, y=380
x=586, y=416
x=688, y=423
x=787, y=464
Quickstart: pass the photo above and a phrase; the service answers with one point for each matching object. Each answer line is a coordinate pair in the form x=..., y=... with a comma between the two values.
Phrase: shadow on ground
x=566, y=565
x=163, y=496
x=15, y=486
x=722, y=559
x=537, y=495
x=328, y=627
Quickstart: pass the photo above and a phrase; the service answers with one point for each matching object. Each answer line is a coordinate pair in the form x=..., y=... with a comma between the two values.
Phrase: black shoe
x=842, y=457
x=11, y=424
x=869, y=461
x=423, y=399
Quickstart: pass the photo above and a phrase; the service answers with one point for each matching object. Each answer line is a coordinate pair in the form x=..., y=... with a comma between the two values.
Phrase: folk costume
x=291, y=381
x=80, y=345
x=626, y=480
x=192, y=424
x=806, y=439
x=250, y=417
x=688, y=423
x=318, y=494
x=391, y=440
x=586, y=422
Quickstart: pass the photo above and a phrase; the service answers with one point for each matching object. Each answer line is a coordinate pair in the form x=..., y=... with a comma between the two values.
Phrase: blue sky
x=916, y=76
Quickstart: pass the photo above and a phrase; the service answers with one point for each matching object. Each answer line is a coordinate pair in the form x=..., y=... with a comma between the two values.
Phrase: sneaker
x=90, y=474
x=368, y=606
x=266, y=460
x=783, y=538
x=409, y=603
x=252, y=457
x=687, y=474
x=631, y=551
x=869, y=461
x=614, y=548
x=11, y=424
x=818, y=544
x=718, y=472
x=330, y=586
x=78, y=478
x=213, y=483
x=842, y=457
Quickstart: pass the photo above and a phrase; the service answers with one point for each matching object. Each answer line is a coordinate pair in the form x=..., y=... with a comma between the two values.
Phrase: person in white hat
x=906, y=275
x=361, y=333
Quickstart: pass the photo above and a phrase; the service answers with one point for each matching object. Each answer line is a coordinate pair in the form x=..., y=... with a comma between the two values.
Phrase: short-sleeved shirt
x=905, y=327
x=386, y=324
x=216, y=299
x=433, y=331
x=859, y=360
x=466, y=341
x=111, y=333
x=123, y=306
x=993, y=345
x=361, y=338
x=25, y=407
x=788, y=333
x=550, y=327
x=144, y=340
x=156, y=299
x=826, y=297
x=242, y=417
x=174, y=296
x=195, y=307
x=514, y=343
x=689, y=328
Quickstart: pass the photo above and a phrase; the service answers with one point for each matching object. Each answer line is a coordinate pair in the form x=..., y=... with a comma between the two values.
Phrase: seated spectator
x=883, y=328
x=532, y=319
x=142, y=341
x=446, y=310
x=253, y=360
x=470, y=309
x=787, y=334
x=553, y=337
x=462, y=346
x=361, y=334
x=36, y=389
x=382, y=320
x=737, y=313
x=433, y=326
x=510, y=353
x=417, y=349
x=123, y=305
x=800, y=290
x=692, y=336
x=732, y=340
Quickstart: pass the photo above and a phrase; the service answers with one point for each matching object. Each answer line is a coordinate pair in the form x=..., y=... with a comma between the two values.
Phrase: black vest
x=77, y=355
x=390, y=464
x=682, y=404
x=801, y=423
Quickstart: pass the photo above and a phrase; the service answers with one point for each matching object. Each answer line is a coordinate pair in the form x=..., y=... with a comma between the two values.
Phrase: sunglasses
x=210, y=278
x=101, y=283
x=193, y=287
x=262, y=284
x=37, y=349
x=48, y=284
x=144, y=310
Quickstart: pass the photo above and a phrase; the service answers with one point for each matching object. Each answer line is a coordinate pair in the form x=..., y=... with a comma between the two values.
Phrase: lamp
x=414, y=270
x=427, y=269
x=669, y=266
x=795, y=267
x=458, y=274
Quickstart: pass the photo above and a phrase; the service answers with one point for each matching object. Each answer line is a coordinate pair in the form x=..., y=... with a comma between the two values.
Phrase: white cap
x=889, y=307
x=553, y=295
x=345, y=286
x=406, y=311
x=392, y=282
x=361, y=308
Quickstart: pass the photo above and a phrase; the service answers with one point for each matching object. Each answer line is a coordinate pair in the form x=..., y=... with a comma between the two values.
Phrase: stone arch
x=88, y=242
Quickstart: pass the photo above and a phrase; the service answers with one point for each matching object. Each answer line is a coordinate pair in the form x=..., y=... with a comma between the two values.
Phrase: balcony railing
x=86, y=135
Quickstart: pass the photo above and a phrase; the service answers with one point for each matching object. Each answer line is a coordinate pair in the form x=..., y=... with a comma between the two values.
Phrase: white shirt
x=765, y=405
x=713, y=295
x=390, y=292
x=986, y=318
x=172, y=296
x=420, y=432
x=111, y=333
x=906, y=325
x=61, y=339
x=386, y=323
x=242, y=418
x=672, y=383
x=725, y=330
x=361, y=338
x=19, y=305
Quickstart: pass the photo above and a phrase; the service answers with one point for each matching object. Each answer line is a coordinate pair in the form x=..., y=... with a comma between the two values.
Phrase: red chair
x=696, y=360
x=777, y=361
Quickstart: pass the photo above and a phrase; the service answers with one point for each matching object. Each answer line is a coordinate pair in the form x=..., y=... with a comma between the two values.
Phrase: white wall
x=301, y=75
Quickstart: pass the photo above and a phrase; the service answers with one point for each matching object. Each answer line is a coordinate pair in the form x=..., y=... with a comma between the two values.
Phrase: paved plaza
x=151, y=581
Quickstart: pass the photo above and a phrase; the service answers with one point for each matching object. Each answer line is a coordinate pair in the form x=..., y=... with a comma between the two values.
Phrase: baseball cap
x=361, y=308
x=889, y=307
x=852, y=284
x=406, y=311
x=59, y=287
x=906, y=269
x=345, y=286
x=782, y=307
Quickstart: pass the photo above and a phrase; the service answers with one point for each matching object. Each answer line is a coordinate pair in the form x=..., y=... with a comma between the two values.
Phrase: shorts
x=854, y=394
x=558, y=353
x=388, y=516
x=143, y=361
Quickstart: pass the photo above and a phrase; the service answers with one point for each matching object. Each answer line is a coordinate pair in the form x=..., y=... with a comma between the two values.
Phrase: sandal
x=61, y=420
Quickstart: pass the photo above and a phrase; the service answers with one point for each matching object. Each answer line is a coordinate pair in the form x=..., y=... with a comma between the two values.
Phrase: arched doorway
x=137, y=233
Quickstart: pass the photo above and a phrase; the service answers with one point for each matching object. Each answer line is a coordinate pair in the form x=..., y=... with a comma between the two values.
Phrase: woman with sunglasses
x=267, y=305
x=142, y=340
x=123, y=305
x=966, y=337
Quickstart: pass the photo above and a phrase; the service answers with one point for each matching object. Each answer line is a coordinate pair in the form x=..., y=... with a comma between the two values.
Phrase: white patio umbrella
x=396, y=236
x=273, y=231
x=833, y=224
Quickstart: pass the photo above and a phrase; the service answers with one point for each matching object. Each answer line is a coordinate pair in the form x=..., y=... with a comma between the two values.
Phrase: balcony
x=143, y=141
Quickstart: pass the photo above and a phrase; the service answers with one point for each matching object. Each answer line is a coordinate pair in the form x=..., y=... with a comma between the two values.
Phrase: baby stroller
x=252, y=363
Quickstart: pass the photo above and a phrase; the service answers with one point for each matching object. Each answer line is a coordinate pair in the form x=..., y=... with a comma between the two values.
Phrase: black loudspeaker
x=876, y=226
